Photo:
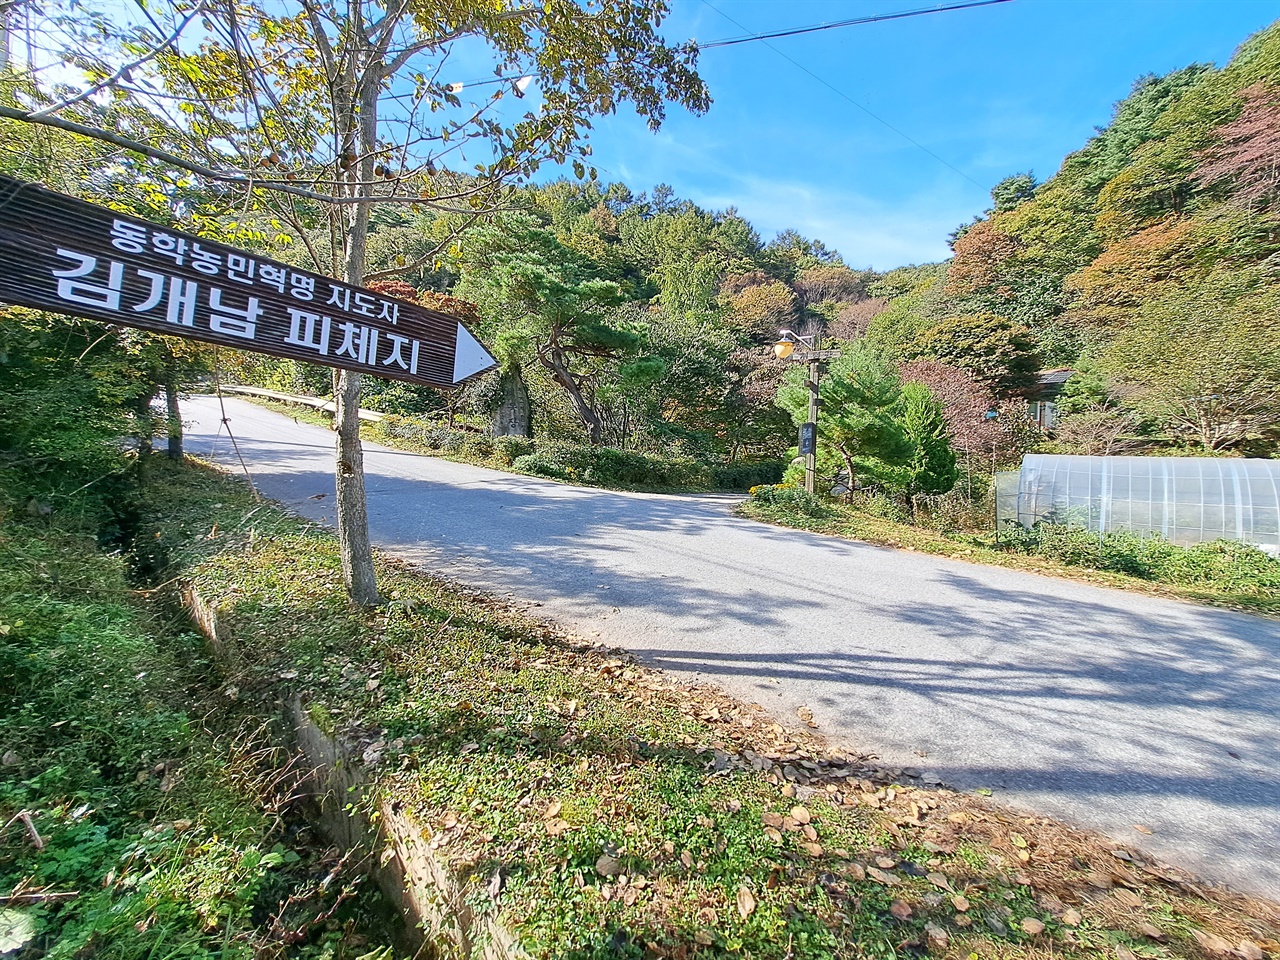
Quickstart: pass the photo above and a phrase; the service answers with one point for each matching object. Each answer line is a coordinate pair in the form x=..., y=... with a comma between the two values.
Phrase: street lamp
x=786, y=349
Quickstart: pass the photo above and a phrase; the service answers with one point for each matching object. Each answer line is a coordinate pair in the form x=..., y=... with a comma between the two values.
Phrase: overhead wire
x=852, y=22
x=790, y=32
x=865, y=109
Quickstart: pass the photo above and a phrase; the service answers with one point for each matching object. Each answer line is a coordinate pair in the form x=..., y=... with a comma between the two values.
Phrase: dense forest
x=1146, y=267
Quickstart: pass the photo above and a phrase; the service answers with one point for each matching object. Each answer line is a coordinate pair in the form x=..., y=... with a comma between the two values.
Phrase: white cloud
x=867, y=232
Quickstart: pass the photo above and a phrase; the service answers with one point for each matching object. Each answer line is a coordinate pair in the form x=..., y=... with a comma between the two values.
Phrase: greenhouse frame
x=1183, y=499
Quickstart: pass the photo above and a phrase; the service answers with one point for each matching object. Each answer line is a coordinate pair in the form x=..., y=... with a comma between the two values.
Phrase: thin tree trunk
x=146, y=426
x=586, y=413
x=174, y=414
x=353, y=518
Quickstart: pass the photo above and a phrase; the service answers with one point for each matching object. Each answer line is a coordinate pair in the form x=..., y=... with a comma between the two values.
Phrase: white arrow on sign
x=469, y=357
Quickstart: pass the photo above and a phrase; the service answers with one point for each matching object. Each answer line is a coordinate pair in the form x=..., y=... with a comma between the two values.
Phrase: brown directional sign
x=65, y=255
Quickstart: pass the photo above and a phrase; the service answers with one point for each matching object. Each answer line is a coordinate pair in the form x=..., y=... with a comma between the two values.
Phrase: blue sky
x=791, y=141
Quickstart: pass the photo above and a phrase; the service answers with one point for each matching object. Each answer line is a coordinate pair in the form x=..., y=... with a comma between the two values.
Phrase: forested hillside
x=637, y=320
x=1148, y=264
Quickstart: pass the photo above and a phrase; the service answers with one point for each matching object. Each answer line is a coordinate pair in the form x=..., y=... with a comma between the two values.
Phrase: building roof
x=1055, y=377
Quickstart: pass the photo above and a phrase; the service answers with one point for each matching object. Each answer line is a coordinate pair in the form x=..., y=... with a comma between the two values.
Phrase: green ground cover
x=143, y=814
x=599, y=809
x=1222, y=573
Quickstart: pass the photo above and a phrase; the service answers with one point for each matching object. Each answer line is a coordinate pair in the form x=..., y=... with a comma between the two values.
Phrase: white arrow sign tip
x=469, y=356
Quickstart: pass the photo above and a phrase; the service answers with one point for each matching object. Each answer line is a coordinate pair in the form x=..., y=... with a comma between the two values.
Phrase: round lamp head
x=783, y=349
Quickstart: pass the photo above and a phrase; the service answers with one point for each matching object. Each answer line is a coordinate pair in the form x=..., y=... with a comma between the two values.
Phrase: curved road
x=1108, y=709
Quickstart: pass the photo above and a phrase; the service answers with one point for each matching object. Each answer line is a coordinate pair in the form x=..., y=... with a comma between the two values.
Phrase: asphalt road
x=1104, y=708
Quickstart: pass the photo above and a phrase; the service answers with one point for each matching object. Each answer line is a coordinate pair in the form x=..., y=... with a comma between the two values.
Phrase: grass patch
x=600, y=809
x=143, y=815
x=1218, y=574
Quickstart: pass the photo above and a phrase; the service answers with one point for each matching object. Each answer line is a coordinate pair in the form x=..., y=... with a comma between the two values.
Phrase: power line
x=791, y=32
x=837, y=24
x=836, y=90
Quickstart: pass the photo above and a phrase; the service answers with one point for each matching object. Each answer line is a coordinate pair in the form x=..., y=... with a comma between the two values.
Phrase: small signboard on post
x=808, y=439
x=68, y=256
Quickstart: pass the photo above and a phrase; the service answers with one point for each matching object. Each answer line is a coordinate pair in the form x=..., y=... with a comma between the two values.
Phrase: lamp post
x=786, y=349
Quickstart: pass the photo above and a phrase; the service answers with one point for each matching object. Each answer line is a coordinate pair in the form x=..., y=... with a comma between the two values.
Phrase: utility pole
x=811, y=458
x=809, y=351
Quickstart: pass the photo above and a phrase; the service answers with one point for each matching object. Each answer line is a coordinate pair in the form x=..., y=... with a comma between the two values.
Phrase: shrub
x=746, y=474
x=789, y=497
x=443, y=438
x=478, y=446
x=1222, y=564
x=538, y=464
x=880, y=505
x=609, y=466
x=507, y=450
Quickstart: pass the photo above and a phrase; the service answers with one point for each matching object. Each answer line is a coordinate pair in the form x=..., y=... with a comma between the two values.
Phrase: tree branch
x=236, y=179
x=103, y=84
x=403, y=56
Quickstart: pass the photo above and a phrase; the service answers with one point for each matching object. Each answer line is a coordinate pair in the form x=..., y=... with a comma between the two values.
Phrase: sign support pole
x=811, y=458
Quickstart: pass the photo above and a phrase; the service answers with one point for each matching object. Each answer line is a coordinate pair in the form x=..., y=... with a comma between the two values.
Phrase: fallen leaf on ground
x=936, y=934
x=1072, y=918
x=1127, y=898
x=1143, y=829
x=939, y=880
x=1032, y=926
x=800, y=815
x=960, y=903
x=746, y=902
x=900, y=910
x=1213, y=945
x=608, y=866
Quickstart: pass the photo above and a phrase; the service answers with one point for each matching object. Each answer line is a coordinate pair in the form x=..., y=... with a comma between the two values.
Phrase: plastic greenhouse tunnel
x=1184, y=499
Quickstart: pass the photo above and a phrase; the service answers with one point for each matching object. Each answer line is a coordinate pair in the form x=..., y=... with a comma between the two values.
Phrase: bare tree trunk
x=174, y=414
x=586, y=412
x=353, y=518
x=146, y=426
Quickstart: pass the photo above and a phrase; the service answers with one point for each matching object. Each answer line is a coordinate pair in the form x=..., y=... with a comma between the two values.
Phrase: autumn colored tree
x=761, y=311
x=966, y=404
x=1246, y=159
x=830, y=284
x=998, y=353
